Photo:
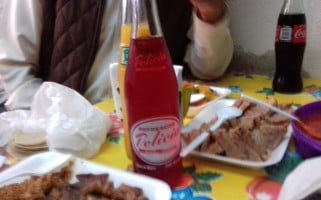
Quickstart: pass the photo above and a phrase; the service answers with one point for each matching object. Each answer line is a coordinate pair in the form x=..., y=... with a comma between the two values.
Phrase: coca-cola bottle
x=290, y=43
x=152, y=98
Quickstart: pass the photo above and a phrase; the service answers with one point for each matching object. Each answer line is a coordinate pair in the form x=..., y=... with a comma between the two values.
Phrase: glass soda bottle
x=122, y=62
x=290, y=43
x=152, y=99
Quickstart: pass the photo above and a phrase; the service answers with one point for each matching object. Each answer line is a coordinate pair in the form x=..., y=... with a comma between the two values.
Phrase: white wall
x=253, y=24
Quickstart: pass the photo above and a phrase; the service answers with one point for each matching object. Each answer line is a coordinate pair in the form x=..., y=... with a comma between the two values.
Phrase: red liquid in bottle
x=289, y=52
x=153, y=110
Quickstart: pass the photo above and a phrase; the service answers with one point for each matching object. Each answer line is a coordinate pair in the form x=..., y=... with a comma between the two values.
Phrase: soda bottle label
x=297, y=34
x=156, y=141
x=124, y=55
x=150, y=57
x=284, y=33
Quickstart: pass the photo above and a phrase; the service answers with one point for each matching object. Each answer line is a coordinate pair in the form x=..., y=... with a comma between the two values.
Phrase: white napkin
x=70, y=122
x=303, y=181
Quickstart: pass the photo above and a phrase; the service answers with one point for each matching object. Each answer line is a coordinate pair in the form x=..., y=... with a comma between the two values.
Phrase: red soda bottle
x=290, y=43
x=152, y=99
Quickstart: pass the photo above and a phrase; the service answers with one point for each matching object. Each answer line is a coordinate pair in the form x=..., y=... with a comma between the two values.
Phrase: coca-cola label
x=295, y=34
x=156, y=141
x=299, y=33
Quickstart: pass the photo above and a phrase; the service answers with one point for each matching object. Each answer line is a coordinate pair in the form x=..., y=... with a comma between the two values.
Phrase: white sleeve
x=20, y=32
x=211, y=48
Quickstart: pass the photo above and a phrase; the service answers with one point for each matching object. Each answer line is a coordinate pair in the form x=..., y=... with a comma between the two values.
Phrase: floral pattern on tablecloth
x=116, y=130
x=259, y=86
x=314, y=90
x=214, y=180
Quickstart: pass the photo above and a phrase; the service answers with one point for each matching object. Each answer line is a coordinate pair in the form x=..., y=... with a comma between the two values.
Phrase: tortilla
x=29, y=139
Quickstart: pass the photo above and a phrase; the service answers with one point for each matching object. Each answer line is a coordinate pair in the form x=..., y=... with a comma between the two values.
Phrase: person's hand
x=209, y=11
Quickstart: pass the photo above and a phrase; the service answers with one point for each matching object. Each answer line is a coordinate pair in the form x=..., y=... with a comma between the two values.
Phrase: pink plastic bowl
x=306, y=146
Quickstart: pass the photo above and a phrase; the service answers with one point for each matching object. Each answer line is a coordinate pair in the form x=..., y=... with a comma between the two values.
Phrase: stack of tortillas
x=25, y=144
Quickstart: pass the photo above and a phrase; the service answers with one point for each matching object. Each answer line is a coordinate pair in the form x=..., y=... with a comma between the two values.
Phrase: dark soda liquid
x=152, y=92
x=289, y=58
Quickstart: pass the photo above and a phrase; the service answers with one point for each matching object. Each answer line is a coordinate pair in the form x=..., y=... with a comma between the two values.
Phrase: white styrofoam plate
x=152, y=188
x=207, y=114
x=194, y=110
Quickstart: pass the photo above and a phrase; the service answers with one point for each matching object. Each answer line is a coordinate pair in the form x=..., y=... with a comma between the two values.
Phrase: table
x=215, y=180
x=209, y=179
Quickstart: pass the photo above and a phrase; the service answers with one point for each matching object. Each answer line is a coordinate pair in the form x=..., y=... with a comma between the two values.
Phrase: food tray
x=152, y=188
x=208, y=113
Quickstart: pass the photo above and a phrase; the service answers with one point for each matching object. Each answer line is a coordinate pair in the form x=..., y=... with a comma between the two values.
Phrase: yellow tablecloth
x=212, y=179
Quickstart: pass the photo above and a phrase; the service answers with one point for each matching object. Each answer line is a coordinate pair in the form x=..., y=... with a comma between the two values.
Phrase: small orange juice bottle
x=125, y=33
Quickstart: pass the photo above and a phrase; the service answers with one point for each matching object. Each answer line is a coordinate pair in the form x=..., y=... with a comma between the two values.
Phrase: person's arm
x=211, y=47
x=19, y=47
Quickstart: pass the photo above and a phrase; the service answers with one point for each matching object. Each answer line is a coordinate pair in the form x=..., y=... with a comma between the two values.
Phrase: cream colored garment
x=208, y=56
x=211, y=49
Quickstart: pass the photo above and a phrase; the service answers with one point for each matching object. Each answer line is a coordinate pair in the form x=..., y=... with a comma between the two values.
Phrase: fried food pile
x=253, y=136
x=56, y=186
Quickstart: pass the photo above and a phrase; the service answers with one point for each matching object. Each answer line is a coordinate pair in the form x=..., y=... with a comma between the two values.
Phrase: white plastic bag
x=70, y=122
x=11, y=122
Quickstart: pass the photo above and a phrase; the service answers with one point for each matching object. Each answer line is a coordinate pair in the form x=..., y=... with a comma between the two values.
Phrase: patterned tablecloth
x=207, y=179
